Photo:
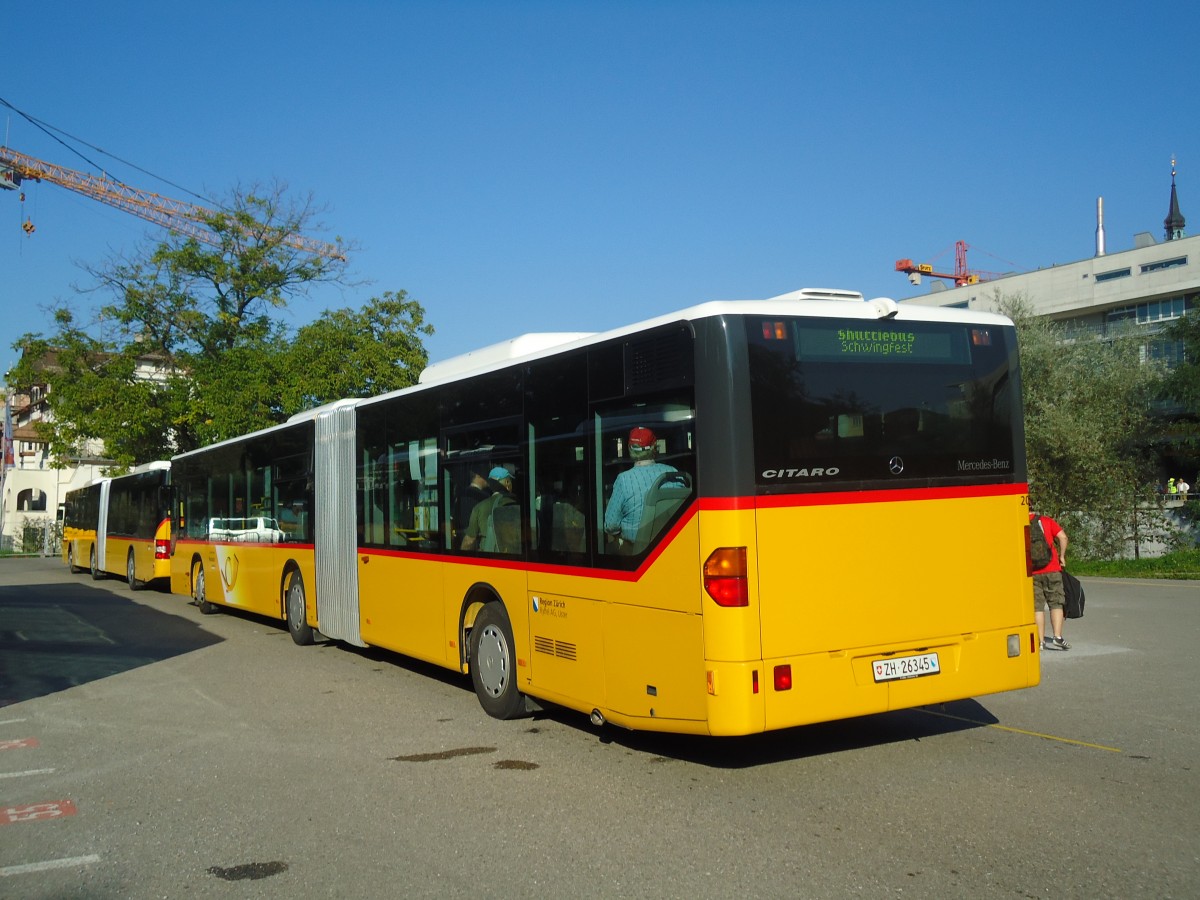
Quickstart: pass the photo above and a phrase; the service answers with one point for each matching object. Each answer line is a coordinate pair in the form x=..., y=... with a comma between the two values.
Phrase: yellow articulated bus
x=121, y=526
x=740, y=517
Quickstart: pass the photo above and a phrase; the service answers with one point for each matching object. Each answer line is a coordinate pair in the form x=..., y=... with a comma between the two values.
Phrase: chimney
x=1099, y=226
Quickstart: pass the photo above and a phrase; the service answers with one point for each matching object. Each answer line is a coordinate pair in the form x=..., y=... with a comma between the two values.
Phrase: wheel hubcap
x=295, y=606
x=493, y=661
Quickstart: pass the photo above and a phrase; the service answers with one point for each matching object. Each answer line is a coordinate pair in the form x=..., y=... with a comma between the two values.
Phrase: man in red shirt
x=1048, y=585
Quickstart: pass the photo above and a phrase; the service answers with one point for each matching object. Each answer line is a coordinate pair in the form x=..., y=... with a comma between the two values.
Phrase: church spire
x=1174, y=221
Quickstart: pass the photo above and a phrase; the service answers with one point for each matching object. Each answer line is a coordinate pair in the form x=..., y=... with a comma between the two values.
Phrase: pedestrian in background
x=1048, y=592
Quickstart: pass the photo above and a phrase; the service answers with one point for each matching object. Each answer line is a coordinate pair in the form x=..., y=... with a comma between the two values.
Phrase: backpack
x=503, y=530
x=1039, y=547
x=1073, y=608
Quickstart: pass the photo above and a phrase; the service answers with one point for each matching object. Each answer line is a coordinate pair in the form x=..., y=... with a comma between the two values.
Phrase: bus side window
x=398, y=503
x=560, y=495
x=556, y=405
x=645, y=462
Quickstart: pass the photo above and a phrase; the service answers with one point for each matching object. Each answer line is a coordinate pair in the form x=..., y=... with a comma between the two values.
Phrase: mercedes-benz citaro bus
x=121, y=526
x=829, y=517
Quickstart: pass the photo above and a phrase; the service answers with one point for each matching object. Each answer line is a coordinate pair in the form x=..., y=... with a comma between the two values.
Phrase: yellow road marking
x=1048, y=737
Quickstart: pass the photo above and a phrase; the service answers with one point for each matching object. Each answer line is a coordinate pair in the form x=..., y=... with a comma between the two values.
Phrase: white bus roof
x=814, y=302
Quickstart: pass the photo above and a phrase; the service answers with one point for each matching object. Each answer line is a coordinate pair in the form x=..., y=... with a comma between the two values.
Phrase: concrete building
x=1143, y=288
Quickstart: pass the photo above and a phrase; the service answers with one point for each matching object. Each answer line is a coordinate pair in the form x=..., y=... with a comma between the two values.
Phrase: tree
x=358, y=354
x=1182, y=384
x=200, y=321
x=1087, y=423
x=1181, y=389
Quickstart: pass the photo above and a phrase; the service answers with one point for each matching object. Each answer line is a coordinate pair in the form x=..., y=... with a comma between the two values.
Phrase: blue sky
x=577, y=166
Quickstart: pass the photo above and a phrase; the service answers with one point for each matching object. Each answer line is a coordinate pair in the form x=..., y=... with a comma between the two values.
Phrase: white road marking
x=49, y=864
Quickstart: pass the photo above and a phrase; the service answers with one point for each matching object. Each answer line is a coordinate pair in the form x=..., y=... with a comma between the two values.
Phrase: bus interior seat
x=669, y=492
x=568, y=531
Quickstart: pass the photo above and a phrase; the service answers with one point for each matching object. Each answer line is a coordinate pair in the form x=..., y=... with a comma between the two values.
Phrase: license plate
x=896, y=667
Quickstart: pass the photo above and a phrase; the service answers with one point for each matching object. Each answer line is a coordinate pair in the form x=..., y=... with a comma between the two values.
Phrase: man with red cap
x=623, y=514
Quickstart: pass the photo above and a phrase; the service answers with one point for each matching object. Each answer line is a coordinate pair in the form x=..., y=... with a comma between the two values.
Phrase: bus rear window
x=853, y=404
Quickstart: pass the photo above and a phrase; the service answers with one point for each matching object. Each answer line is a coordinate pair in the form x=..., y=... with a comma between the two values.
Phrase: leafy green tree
x=1181, y=389
x=1087, y=422
x=348, y=353
x=1182, y=384
x=204, y=319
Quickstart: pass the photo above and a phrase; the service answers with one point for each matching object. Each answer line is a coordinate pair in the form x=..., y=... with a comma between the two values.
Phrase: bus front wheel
x=131, y=573
x=493, y=664
x=74, y=569
x=295, y=610
x=198, y=593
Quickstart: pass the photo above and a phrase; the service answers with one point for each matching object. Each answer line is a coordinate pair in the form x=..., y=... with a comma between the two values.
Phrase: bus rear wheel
x=131, y=573
x=96, y=573
x=198, y=592
x=493, y=664
x=295, y=610
x=74, y=569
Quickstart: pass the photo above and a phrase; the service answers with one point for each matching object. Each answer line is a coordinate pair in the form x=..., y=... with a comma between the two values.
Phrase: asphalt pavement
x=148, y=751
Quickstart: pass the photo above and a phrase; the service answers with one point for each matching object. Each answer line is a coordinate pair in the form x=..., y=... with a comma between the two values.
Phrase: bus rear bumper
x=745, y=698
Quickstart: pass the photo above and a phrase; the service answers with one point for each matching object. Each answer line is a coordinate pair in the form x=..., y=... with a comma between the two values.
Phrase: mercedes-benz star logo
x=895, y=465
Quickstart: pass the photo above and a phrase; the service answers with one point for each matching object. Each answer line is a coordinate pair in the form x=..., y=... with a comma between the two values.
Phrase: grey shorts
x=1048, y=592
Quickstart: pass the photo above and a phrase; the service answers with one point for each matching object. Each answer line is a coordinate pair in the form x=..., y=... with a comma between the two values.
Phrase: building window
x=1160, y=310
x=31, y=500
x=1119, y=319
x=1170, y=353
x=1115, y=273
x=1164, y=264
x=1080, y=328
x=1149, y=313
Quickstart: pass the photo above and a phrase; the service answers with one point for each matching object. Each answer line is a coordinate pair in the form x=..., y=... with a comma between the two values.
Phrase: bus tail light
x=783, y=678
x=725, y=576
x=162, y=548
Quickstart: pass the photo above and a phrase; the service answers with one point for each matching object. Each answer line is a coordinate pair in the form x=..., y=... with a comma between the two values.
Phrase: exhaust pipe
x=597, y=718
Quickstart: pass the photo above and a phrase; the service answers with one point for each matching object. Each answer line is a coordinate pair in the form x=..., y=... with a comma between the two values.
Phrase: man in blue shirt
x=623, y=514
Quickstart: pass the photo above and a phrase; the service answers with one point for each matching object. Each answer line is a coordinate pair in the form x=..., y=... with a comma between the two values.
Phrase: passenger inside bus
x=624, y=513
x=475, y=492
x=495, y=524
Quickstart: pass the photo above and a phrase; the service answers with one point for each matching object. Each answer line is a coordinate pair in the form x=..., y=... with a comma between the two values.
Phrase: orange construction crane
x=961, y=274
x=186, y=219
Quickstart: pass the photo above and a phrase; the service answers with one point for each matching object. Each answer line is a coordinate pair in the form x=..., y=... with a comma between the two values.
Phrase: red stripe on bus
x=838, y=498
x=707, y=504
x=542, y=568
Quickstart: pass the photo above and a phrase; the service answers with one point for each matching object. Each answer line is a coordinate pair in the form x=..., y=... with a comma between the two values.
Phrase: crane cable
x=47, y=128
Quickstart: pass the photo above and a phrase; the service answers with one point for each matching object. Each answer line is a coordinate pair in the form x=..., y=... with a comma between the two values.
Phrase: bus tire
x=74, y=569
x=295, y=610
x=493, y=664
x=199, y=596
x=95, y=569
x=131, y=573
